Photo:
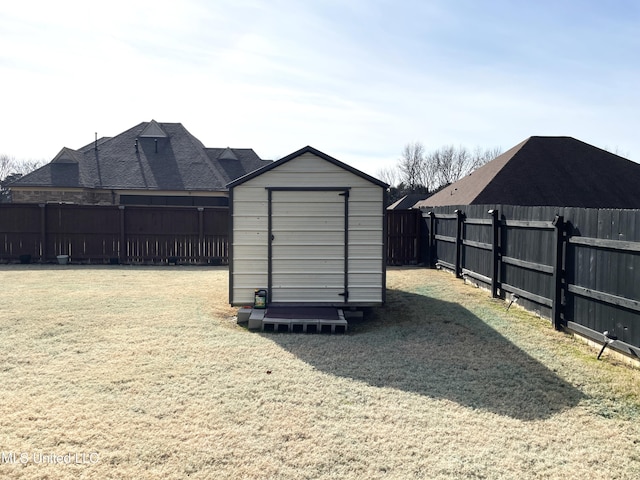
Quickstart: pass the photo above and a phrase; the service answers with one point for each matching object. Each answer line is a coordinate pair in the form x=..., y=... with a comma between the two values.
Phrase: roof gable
x=228, y=154
x=153, y=130
x=66, y=155
x=298, y=153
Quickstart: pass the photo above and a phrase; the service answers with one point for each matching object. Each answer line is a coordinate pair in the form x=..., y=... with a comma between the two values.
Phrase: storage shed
x=310, y=230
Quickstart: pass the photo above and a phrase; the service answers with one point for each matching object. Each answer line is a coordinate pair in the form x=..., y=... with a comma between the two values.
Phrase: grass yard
x=142, y=373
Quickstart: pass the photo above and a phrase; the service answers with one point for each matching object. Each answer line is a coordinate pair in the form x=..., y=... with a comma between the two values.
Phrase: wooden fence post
x=495, y=253
x=122, y=250
x=556, y=309
x=43, y=232
x=459, y=235
x=432, y=238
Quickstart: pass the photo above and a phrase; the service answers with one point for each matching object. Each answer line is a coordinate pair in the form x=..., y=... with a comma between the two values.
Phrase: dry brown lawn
x=142, y=373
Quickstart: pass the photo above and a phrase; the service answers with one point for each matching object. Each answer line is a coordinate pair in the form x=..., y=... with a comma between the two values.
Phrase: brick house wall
x=81, y=197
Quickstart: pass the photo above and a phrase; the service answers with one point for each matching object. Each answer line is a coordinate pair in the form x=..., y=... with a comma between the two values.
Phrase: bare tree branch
x=388, y=175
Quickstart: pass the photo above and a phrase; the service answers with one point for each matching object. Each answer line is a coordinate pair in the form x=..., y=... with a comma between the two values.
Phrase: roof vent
x=227, y=154
x=153, y=130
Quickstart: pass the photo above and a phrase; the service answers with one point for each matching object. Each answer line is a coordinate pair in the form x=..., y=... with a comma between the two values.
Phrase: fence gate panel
x=403, y=237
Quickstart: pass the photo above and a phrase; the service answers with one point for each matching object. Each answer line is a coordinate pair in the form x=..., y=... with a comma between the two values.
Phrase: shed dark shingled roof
x=548, y=171
x=149, y=156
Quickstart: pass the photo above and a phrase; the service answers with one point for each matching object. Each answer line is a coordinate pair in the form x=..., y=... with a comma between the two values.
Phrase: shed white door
x=308, y=254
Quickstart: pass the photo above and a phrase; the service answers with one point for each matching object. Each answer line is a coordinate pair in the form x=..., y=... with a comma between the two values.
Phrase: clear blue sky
x=355, y=79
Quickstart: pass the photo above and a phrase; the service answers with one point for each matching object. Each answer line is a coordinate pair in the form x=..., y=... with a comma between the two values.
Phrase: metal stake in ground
x=609, y=338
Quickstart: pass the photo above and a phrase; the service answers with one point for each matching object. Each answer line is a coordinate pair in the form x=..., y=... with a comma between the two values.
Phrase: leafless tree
x=451, y=163
x=618, y=151
x=6, y=163
x=388, y=175
x=413, y=170
x=11, y=169
x=422, y=172
x=481, y=156
x=11, y=166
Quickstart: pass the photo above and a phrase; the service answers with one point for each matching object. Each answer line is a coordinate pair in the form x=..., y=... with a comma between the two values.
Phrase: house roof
x=300, y=152
x=408, y=201
x=149, y=156
x=548, y=171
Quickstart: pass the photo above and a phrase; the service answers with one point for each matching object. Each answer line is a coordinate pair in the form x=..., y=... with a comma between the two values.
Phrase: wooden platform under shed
x=298, y=320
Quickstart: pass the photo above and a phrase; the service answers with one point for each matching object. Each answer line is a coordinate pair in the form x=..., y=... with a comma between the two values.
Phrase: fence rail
x=113, y=234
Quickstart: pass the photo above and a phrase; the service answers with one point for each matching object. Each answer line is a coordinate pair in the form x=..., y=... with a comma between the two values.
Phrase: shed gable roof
x=148, y=156
x=297, y=154
x=551, y=171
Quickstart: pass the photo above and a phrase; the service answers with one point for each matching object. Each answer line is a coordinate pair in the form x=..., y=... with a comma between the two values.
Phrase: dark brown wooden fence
x=578, y=267
x=113, y=234
x=145, y=234
x=404, y=237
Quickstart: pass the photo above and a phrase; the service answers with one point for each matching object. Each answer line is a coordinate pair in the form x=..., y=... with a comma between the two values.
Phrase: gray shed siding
x=303, y=203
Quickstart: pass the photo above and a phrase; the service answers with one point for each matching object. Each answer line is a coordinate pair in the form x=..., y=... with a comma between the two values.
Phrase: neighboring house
x=548, y=171
x=150, y=164
x=310, y=230
x=408, y=201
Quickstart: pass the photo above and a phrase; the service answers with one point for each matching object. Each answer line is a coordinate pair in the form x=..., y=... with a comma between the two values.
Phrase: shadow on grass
x=439, y=349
